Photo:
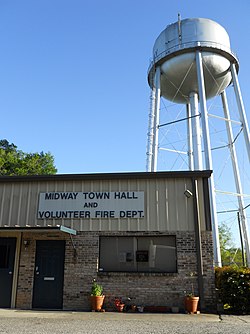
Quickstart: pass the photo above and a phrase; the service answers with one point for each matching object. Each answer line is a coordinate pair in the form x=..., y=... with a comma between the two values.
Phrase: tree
x=16, y=162
x=230, y=254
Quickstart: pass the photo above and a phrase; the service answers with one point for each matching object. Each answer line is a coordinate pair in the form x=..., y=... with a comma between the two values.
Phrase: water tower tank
x=174, y=51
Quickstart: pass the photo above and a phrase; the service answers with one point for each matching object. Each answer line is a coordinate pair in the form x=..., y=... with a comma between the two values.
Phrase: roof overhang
x=39, y=229
x=106, y=176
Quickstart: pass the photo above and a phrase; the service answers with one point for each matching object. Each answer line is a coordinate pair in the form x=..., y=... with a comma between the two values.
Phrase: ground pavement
x=20, y=322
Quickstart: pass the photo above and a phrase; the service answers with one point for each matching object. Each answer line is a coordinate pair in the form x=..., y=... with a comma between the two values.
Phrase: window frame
x=138, y=270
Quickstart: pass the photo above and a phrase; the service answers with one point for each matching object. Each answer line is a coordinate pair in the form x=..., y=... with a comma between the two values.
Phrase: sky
x=73, y=76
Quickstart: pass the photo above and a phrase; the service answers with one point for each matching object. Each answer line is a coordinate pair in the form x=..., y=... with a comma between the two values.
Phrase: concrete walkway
x=77, y=315
x=9, y=313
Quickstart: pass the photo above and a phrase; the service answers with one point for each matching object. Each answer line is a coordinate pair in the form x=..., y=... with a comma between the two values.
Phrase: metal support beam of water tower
x=238, y=185
x=208, y=157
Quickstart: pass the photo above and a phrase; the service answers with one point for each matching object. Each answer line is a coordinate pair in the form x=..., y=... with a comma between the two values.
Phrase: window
x=138, y=254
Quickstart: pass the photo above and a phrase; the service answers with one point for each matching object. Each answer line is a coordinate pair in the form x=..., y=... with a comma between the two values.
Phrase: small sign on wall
x=142, y=256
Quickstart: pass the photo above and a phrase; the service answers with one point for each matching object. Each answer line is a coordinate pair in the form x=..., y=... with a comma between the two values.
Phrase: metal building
x=138, y=234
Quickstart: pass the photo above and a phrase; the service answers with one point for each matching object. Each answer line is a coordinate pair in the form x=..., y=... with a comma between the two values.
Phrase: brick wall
x=25, y=277
x=144, y=288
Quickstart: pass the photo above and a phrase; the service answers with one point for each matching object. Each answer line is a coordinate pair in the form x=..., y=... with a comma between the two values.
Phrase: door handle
x=10, y=272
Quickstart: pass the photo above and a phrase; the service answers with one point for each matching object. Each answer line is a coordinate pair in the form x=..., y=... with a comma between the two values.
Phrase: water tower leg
x=196, y=131
x=151, y=131
x=156, y=118
x=243, y=225
x=190, y=139
x=241, y=108
x=208, y=157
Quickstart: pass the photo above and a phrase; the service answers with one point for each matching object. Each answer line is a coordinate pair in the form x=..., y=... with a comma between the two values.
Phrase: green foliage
x=16, y=162
x=233, y=286
x=96, y=289
x=230, y=255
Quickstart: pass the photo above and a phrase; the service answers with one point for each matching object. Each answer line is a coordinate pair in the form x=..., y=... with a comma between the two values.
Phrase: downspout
x=197, y=226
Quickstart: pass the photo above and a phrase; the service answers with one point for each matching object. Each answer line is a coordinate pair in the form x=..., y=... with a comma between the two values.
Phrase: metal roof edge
x=107, y=176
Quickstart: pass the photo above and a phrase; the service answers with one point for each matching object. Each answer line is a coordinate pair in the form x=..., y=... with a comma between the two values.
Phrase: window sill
x=131, y=273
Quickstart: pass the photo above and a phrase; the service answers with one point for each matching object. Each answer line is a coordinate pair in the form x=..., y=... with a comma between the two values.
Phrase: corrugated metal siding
x=166, y=207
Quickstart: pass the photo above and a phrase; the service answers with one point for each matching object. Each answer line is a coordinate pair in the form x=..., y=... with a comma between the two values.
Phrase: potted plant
x=97, y=297
x=191, y=301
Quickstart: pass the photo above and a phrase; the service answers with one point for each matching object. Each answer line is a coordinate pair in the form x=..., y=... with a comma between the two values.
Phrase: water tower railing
x=190, y=46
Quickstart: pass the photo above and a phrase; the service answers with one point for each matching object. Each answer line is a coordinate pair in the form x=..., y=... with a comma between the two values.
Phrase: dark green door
x=48, y=276
x=7, y=259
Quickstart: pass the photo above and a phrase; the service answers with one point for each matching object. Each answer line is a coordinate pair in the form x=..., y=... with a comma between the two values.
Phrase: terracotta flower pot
x=191, y=304
x=97, y=302
x=133, y=308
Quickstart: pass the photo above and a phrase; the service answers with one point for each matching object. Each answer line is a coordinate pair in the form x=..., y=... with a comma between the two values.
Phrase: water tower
x=192, y=62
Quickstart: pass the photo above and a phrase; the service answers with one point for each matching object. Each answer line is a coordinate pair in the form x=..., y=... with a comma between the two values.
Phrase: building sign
x=86, y=205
